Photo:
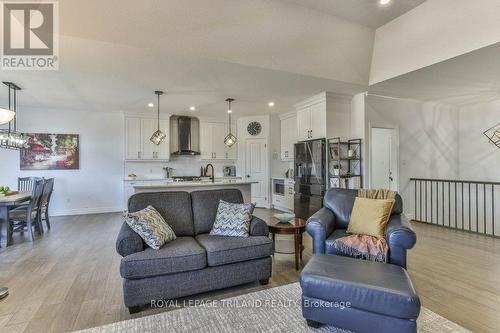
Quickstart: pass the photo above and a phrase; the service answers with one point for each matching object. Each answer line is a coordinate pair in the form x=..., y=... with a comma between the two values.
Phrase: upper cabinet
x=288, y=135
x=212, y=144
x=323, y=116
x=311, y=122
x=133, y=138
x=138, y=131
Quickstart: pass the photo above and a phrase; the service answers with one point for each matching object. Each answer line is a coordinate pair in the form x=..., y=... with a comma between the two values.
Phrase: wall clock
x=254, y=128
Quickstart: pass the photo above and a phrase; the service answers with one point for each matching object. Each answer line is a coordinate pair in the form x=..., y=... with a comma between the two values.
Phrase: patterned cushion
x=151, y=226
x=232, y=219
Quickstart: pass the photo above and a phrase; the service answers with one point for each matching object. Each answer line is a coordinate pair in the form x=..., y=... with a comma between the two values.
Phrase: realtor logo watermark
x=30, y=35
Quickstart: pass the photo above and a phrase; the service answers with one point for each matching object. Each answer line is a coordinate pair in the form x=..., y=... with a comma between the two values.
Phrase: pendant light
x=230, y=139
x=493, y=135
x=158, y=136
x=6, y=115
x=10, y=138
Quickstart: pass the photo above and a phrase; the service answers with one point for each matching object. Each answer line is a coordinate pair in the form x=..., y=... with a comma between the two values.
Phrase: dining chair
x=43, y=207
x=27, y=216
x=26, y=184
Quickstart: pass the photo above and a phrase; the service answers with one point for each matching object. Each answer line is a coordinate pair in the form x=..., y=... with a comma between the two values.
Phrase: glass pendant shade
x=230, y=140
x=6, y=116
x=158, y=137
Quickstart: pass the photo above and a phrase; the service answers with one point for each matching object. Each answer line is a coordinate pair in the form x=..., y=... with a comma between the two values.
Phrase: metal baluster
x=420, y=213
x=432, y=210
x=469, y=212
x=426, y=202
x=449, y=204
x=456, y=210
x=484, y=208
x=442, y=196
x=415, y=201
x=462, y=206
x=493, y=209
x=477, y=210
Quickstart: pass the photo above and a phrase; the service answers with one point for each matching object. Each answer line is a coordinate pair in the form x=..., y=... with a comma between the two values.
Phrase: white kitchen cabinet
x=132, y=138
x=288, y=136
x=219, y=132
x=303, y=124
x=138, y=131
x=318, y=121
x=212, y=144
x=148, y=127
x=324, y=115
x=206, y=141
x=311, y=122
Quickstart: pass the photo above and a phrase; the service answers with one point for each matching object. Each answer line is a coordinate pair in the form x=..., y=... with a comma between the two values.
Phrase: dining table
x=8, y=202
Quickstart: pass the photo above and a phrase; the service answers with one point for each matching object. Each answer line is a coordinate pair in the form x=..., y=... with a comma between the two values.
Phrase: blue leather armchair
x=331, y=221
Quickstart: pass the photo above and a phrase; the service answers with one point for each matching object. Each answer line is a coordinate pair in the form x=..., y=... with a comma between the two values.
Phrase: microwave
x=279, y=187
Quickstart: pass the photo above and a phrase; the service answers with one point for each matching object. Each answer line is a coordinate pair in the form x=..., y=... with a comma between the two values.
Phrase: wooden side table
x=295, y=227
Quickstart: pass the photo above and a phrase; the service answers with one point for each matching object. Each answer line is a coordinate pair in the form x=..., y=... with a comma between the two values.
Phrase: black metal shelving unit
x=344, y=170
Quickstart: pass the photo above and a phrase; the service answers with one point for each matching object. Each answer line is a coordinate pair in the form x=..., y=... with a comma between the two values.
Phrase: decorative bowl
x=284, y=217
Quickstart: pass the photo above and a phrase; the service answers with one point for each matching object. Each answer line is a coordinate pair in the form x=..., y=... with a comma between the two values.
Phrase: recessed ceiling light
x=151, y=105
x=271, y=104
x=192, y=108
x=384, y=2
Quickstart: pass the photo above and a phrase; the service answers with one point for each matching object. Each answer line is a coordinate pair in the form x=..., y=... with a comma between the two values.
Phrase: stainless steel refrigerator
x=310, y=177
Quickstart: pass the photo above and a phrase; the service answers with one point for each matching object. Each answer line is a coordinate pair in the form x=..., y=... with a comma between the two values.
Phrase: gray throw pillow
x=232, y=219
x=150, y=225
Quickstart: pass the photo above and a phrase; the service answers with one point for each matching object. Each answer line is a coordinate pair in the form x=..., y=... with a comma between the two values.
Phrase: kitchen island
x=244, y=186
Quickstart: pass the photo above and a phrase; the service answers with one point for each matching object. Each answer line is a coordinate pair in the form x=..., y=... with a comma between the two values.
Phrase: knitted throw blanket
x=365, y=246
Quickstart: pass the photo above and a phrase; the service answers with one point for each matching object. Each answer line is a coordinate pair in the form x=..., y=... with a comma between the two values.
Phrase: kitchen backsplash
x=182, y=165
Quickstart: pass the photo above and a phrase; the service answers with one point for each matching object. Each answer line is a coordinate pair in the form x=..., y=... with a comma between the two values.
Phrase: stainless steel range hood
x=184, y=135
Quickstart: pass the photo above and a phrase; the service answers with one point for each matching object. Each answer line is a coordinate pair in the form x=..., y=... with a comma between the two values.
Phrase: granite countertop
x=195, y=184
x=142, y=179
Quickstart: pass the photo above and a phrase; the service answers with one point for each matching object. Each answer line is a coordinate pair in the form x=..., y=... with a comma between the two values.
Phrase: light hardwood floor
x=69, y=278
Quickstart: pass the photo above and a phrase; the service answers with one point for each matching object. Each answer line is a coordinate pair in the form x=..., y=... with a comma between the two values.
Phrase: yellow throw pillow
x=370, y=216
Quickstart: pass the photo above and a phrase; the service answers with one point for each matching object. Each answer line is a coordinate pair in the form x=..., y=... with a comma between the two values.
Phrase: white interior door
x=384, y=159
x=256, y=170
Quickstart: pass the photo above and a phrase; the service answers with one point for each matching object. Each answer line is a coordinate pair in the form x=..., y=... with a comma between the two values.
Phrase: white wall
x=358, y=128
x=428, y=139
x=478, y=159
x=432, y=32
x=97, y=186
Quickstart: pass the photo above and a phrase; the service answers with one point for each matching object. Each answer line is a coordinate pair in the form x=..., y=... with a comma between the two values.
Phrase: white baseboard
x=84, y=211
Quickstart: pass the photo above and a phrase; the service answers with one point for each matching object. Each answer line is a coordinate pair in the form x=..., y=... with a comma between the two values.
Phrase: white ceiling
x=115, y=53
x=365, y=12
x=464, y=80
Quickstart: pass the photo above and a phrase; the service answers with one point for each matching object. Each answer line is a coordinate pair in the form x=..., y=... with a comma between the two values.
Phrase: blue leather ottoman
x=358, y=295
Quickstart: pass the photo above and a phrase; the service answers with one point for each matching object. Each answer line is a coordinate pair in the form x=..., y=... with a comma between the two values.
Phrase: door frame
x=395, y=128
x=267, y=184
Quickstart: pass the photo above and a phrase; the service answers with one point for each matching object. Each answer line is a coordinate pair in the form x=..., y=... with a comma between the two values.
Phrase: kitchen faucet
x=213, y=172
